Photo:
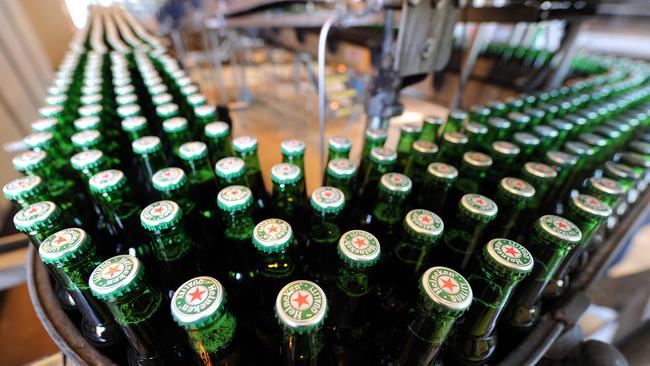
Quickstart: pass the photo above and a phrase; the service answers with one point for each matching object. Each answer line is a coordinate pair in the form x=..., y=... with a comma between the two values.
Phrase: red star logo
x=449, y=283
x=106, y=175
x=511, y=251
x=360, y=243
x=425, y=219
x=32, y=210
x=60, y=239
x=593, y=202
x=301, y=299
x=233, y=192
x=442, y=168
x=112, y=270
x=562, y=225
x=396, y=179
x=167, y=173
x=519, y=183
x=159, y=209
x=327, y=194
x=22, y=183
x=343, y=164
x=273, y=229
x=196, y=295
x=480, y=201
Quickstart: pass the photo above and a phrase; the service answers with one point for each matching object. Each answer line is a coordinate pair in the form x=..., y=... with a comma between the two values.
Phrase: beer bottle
x=504, y=155
x=542, y=177
x=382, y=161
x=162, y=98
x=353, y=297
x=599, y=144
x=435, y=192
x=129, y=110
x=124, y=99
x=194, y=100
x=135, y=127
x=444, y=296
x=547, y=136
x=288, y=199
x=71, y=256
x=93, y=140
x=173, y=248
x=528, y=144
x=301, y=308
x=409, y=132
x=473, y=173
x=45, y=141
x=562, y=163
x=246, y=148
x=177, y=133
x=39, y=220
x=498, y=129
x=475, y=133
x=89, y=162
x=455, y=121
x=121, y=284
x=423, y=153
x=384, y=219
x=520, y=121
x=497, y=108
x=338, y=148
x=512, y=197
x=341, y=174
x=203, y=185
x=607, y=190
x=536, y=116
x=502, y=265
x=563, y=128
x=230, y=171
x=479, y=114
x=167, y=111
x=637, y=162
x=584, y=153
x=293, y=151
x=150, y=157
x=552, y=238
x=172, y=184
x=199, y=308
x=374, y=137
x=467, y=230
x=89, y=123
x=217, y=135
x=203, y=116
x=452, y=147
x=431, y=129
x=24, y=191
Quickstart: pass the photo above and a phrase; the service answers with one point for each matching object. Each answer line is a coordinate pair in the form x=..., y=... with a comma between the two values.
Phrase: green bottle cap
x=160, y=215
x=167, y=110
x=175, y=124
x=169, y=179
x=340, y=144
x=193, y=150
x=579, y=148
x=445, y=290
x=292, y=148
x=189, y=90
x=478, y=207
x=396, y=184
x=243, y=144
x=58, y=99
x=620, y=171
x=539, y=171
x=328, y=200
x=134, y=124
x=230, y=167
x=285, y=173
x=592, y=139
x=475, y=128
x=120, y=90
x=640, y=147
x=383, y=155
x=342, y=168
x=205, y=112
x=38, y=140
x=29, y=160
x=410, y=129
x=23, y=187
x=198, y=303
x=557, y=231
x=128, y=110
x=217, y=129
x=272, y=236
x=146, y=145
x=64, y=246
x=155, y=88
x=477, y=159
x=375, y=135
x=301, y=307
x=505, y=148
x=88, y=159
x=107, y=181
x=525, y=139
x=91, y=110
x=424, y=147
x=605, y=186
x=589, y=207
x=561, y=158
x=456, y=138
x=234, y=198
x=545, y=131
x=423, y=225
x=516, y=189
x=37, y=216
x=507, y=259
x=162, y=98
x=442, y=171
x=126, y=99
x=91, y=99
x=359, y=249
x=196, y=100
x=87, y=123
x=116, y=278
x=50, y=111
x=86, y=139
x=45, y=125
x=183, y=81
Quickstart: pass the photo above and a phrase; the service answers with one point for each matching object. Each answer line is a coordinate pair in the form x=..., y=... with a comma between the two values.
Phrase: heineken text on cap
x=63, y=245
x=36, y=215
x=479, y=205
x=160, y=215
x=87, y=123
x=115, y=277
x=517, y=187
x=217, y=129
x=193, y=150
x=425, y=147
x=198, y=302
x=292, y=147
x=442, y=170
x=340, y=143
x=175, y=124
x=230, y=167
x=107, y=181
x=375, y=134
x=21, y=187
x=44, y=124
x=136, y=123
x=86, y=159
x=510, y=255
x=455, y=137
x=244, y=143
x=396, y=183
x=540, y=170
x=167, y=179
x=592, y=206
x=359, y=248
x=86, y=138
x=128, y=110
x=301, y=306
x=424, y=222
x=477, y=159
x=29, y=160
x=327, y=199
x=234, y=198
x=383, y=155
x=37, y=139
x=146, y=145
x=272, y=235
x=341, y=168
x=285, y=173
x=446, y=289
x=606, y=185
x=560, y=228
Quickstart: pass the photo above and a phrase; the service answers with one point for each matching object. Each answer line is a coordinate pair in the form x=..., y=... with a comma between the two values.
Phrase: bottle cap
x=539, y=171
x=23, y=187
x=561, y=125
x=272, y=236
x=359, y=249
x=90, y=110
x=58, y=99
x=244, y=144
x=455, y=138
x=216, y=129
x=328, y=200
x=475, y=128
x=526, y=139
x=606, y=186
x=88, y=159
x=640, y=147
x=410, y=128
x=375, y=135
x=125, y=99
x=199, y=302
x=169, y=179
x=87, y=123
x=292, y=147
x=589, y=207
x=558, y=231
x=396, y=184
x=478, y=207
x=579, y=148
x=45, y=125
x=234, y=198
x=155, y=88
x=146, y=145
x=193, y=150
x=340, y=144
x=477, y=159
x=442, y=171
x=545, y=131
x=205, y=111
x=162, y=98
x=620, y=171
x=505, y=148
x=635, y=160
x=458, y=114
x=424, y=147
x=285, y=173
x=561, y=158
x=37, y=216
x=445, y=290
x=433, y=120
x=516, y=188
x=116, y=277
x=160, y=215
x=196, y=99
x=608, y=132
x=230, y=167
x=85, y=139
x=592, y=139
x=134, y=124
x=507, y=258
x=519, y=118
x=423, y=225
x=128, y=110
x=50, y=111
x=175, y=124
x=64, y=246
x=167, y=110
x=107, y=181
x=341, y=168
x=120, y=90
x=498, y=123
x=301, y=307
x=29, y=160
x=383, y=155
x=38, y=140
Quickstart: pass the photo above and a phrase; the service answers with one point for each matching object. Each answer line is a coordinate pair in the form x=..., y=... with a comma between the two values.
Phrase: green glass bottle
x=90, y=162
x=136, y=305
x=172, y=184
x=552, y=239
x=520, y=121
x=39, y=220
x=342, y=174
x=129, y=110
x=151, y=158
x=626, y=176
x=388, y=211
x=542, y=177
x=203, y=116
x=135, y=127
x=230, y=171
x=435, y=192
x=88, y=123
x=374, y=137
x=452, y=147
x=288, y=201
x=479, y=114
x=547, y=136
x=431, y=129
x=502, y=265
x=217, y=136
x=512, y=197
x=504, y=155
x=409, y=132
x=473, y=173
x=564, y=129
x=585, y=154
x=203, y=183
x=246, y=148
x=475, y=133
x=124, y=99
x=167, y=111
x=293, y=151
x=382, y=161
x=177, y=132
x=498, y=129
x=24, y=191
x=199, y=308
x=338, y=148
x=455, y=121
x=423, y=153
x=607, y=190
x=562, y=163
x=528, y=143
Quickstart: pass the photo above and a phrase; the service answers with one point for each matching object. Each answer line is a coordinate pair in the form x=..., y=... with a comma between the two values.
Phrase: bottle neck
x=233, y=181
x=251, y=162
x=238, y=225
x=212, y=342
x=337, y=155
x=324, y=228
x=75, y=273
x=587, y=226
x=277, y=265
x=38, y=236
x=404, y=143
x=302, y=349
x=346, y=185
x=412, y=253
x=199, y=171
x=171, y=244
x=286, y=199
x=181, y=195
x=389, y=208
x=220, y=147
x=368, y=146
x=151, y=163
x=426, y=336
x=298, y=160
x=429, y=132
x=354, y=282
